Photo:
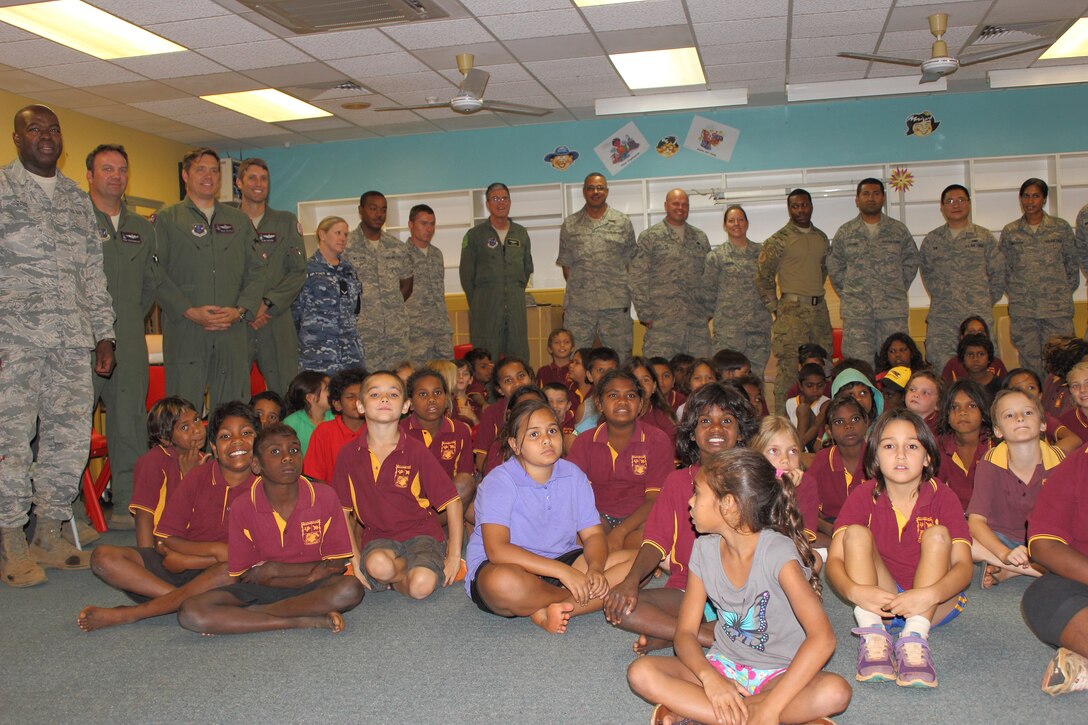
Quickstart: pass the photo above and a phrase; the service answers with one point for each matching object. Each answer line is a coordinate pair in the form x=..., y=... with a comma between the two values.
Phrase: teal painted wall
x=993, y=123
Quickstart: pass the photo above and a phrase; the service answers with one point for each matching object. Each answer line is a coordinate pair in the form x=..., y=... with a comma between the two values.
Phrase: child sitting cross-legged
x=287, y=547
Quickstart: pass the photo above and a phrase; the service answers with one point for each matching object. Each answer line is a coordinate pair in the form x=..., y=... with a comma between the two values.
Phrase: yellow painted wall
x=153, y=161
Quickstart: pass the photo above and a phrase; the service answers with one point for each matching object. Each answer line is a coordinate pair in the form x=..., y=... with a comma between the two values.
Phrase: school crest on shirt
x=923, y=523
x=400, y=476
x=448, y=450
x=311, y=532
x=638, y=465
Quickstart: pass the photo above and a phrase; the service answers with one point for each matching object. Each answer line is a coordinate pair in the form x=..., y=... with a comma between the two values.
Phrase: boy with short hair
x=559, y=401
x=805, y=411
x=288, y=546
x=976, y=352
x=561, y=348
x=329, y=437
x=599, y=362
x=395, y=488
x=732, y=364
x=752, y=387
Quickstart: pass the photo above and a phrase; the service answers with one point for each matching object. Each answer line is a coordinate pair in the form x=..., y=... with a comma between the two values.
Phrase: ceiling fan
x=470, y=95
x=940, y=63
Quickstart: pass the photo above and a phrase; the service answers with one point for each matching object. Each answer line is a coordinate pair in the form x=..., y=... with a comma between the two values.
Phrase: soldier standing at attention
x=872, y=263
x=741, y=321
x=132, y=276
x=431, y=336
x=273, y=342
x=54, y=309
x=1041, y=274
x=963, y=269
x=796, y=257
x=385, y=271
x=596, y=244
x=496, y=262
x=668, y=262
x=213, y=279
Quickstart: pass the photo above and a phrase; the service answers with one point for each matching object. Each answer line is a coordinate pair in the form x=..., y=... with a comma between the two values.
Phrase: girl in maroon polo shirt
x=655, y=410
x=837, y=469
x=964, y=432
x=924, y=394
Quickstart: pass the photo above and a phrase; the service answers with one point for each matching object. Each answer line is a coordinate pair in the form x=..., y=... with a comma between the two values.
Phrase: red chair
x=156, y=384
x=459, y=351
x=92, y=489
x=836, y=344
x=256, y=381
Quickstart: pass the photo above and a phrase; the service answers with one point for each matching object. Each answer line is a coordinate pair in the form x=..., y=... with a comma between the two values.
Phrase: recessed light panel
x=87, y=29
x=660, y=68
x=267, y=104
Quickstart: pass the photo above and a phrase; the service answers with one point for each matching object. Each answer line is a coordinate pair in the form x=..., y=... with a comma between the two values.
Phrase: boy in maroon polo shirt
x=288, y=546
x=190, y=555
x=1055, y=606
x=329, y=437
x=396, y=488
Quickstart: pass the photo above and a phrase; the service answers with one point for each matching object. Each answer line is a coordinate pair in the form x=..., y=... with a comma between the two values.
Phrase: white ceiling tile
x=19, y=81
x=177, y=107
x=372, y=117
x=630, y=41
x=378, y=65
x=250, y=129
x=89, y=73
x=159, y=124
x=411, y=82
x=486, y=54
x=502, y=7
x=543, y=101
x=516, y=88
x=916, y=17
x=506, y=73
x=807, y=76
x=649, y=14
x=142, y=12
x=301, y=74
x=708, y=11
x=557, y=116
x=171, y=65
x=340, y=134
x=38, y=53
x=742, y=52
x=406, y=129
x=438, y=33
x=213, y=83
x=747, y=31
x=536, y=24
x=208, y=32
x=817, y=47
x=1019, y=11
x=315, y=124
x=482, y=119
x=955, y=4
x=195, y=137
x=72, y=98
x=829, y=64
x=922, y=41
x=820, y=7
x=571, y=46
x=118, y=113
x=137, y=91
x=584, y=113
x=845, y=23
x=262, y=54
x=345, y=44
x=570, y=68
x=589, y=84
x=746, y=71
x=10, y=34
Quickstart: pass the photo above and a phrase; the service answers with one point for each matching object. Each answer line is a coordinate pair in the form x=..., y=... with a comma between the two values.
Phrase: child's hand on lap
x=727, y=698
x=577, y=584
x=913, y=601
x=450, y=568
x=598, y=585
x=621, y=601
x=871, y=598
x=1018, y=557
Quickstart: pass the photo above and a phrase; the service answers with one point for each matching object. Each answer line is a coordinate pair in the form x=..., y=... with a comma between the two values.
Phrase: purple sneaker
x=914, y=662
x=875, y=662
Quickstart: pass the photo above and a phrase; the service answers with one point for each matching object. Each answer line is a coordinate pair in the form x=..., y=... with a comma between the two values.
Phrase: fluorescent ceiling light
x=1072, y=44
x=893, y=86
x=267, y=104
x=660, y=68
x=594, y=3
x=87, y=29
x=1049, y=76
x=671, y=102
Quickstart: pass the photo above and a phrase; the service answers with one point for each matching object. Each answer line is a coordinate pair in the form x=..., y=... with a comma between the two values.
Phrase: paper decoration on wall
x=668, y=146
x=901, y=179
x=621, y=148
x=921, y=124
x=562, y=158
x=711, y=138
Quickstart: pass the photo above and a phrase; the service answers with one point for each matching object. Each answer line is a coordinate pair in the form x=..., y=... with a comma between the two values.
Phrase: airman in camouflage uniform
x=132, y=277
x=54, y=309
x=213, y=279
x=668, y=262
x=496, y=263
x=741, y=320
x=273, y=342
x=796, y=257
x=384, y=269
x=326, y=309
x=1041, y=274
x=872, y=263
x=596, y=243
x=431, y=335
x=963, y=269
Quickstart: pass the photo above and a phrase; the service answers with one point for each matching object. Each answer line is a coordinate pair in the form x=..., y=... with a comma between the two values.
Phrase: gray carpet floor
x=444, y=661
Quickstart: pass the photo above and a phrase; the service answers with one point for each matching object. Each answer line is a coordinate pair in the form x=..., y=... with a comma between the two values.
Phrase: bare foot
x=335, y=621
x=92, y=618
x=553, y=618
x=645, y=645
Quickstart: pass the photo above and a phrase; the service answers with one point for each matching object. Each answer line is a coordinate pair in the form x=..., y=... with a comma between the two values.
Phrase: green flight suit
x=275, y=346
x=207, y=262
x=494, y=275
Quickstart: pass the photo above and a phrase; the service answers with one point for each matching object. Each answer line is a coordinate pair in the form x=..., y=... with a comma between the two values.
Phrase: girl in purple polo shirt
x=538, y=549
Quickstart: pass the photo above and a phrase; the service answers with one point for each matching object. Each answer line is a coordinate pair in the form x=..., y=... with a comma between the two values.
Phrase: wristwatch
x=267, y=303
x=242, y=312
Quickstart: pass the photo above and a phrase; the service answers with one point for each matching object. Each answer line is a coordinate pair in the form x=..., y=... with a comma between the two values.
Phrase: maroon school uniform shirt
x=1002, y=498
x=476, y=387
x=668, y=525
x=900, y=543
x=491, y=422
x=451, y=445
x=954, y=370
x=621, y=479
x=199, y=508
x=658, y=419
x=552, y=373
x=833, y=481
x=315, y=531
x=957, y=474
x=398, y=498
x=675, y=399
x=155, y=477
x=325, y=444
x=1076, y=421
x=1061, y=509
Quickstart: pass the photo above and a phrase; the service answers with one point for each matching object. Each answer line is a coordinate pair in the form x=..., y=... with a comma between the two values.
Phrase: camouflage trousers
x=943, y=337
x=797, y=323
x=613, y=326
x=1029, y=334
x=426, y=345
x=863, y=336
x=382, y=352
x=274, y=347
x=753, y=342
x=667, y=337
x=50, y=388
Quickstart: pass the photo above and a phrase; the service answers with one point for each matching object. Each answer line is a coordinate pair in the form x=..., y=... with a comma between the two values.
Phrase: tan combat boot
x=16, y=567
x=87, y=533
x=50, y=550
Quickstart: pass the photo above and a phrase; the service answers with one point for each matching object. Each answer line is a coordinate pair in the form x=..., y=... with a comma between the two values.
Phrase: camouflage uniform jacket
x=873, y=274
x=324, y=313
x=1081, y=235
x=52, y=284
x=729, y=277
x=663, y=271
x=427, y=306
x=380, y=270
x=597, y=252
x=279, y=240
x=779, y=249
x=1041, y=269
x=964, y=275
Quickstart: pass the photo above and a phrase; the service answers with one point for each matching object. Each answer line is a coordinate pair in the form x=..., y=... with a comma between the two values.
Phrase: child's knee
x=104, y=559
x=347, y=594
x=421, y=583
x=835, y=693
x=936, y=536
x=193, y=616
x=381, y=564
x=639, y=674
x=856, y=534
